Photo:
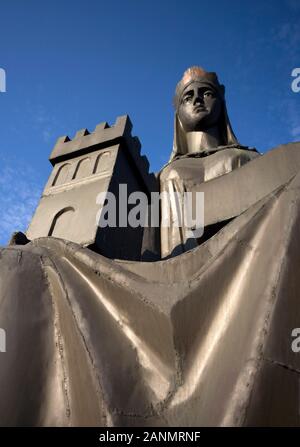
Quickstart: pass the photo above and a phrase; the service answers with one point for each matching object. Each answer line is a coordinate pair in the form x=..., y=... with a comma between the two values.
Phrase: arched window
x=83, y=169
x=62, y=175
x=62, y=222
x=102, y=163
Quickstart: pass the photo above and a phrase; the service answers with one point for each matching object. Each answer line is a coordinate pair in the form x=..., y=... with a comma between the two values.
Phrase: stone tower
x=82, y=168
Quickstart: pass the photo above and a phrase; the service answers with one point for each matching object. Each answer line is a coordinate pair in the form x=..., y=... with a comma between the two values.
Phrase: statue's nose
x=198, y=99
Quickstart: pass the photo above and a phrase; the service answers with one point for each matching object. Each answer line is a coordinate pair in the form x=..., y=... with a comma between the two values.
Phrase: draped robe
x=203, y=338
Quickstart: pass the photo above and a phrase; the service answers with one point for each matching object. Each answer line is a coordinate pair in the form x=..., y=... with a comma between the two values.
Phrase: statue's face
x=199, y=107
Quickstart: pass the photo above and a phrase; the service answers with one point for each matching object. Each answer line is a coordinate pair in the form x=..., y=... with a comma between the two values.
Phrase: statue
x=204, y=148
x=201, y=336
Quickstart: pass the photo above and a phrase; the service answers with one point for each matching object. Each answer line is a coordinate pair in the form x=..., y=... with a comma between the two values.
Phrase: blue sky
x=73, y=64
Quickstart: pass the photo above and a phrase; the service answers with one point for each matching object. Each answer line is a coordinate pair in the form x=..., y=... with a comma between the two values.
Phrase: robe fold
x=201, y=339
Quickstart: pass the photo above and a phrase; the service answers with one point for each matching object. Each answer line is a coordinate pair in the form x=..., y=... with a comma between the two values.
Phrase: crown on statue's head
x=196, y=73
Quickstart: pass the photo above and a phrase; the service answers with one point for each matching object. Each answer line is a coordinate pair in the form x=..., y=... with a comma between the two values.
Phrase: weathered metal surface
x=199, y=339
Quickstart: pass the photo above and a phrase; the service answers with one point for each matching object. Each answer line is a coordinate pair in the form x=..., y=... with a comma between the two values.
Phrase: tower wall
x=82, y=168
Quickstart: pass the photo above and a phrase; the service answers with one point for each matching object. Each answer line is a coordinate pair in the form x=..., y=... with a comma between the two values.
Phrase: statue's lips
x=199, y=109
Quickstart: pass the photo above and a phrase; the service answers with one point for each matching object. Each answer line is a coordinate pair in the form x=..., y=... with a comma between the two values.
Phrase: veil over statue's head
x=208, y=81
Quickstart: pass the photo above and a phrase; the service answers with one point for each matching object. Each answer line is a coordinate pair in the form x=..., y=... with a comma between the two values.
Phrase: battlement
x=85, y=141
x=103, y=137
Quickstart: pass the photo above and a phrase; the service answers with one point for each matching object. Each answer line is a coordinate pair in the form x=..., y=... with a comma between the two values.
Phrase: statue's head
x=199, y=100
x=199, y=108
x=199, y=105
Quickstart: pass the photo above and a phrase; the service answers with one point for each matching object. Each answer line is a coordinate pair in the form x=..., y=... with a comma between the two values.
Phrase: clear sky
x=73, y=64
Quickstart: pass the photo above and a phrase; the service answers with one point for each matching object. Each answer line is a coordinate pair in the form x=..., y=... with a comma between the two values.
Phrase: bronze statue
x=200, y=337
x=204, y=147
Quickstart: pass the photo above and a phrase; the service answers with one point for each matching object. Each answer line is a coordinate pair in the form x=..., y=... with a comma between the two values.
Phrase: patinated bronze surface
x=200, y=338
x=204, y=147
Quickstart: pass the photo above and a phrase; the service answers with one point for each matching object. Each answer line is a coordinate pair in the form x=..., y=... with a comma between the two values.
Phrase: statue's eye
x=208, y=93
x=187, y=98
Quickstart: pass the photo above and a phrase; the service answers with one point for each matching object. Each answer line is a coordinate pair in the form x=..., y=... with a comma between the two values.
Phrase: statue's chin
x=199, y=123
